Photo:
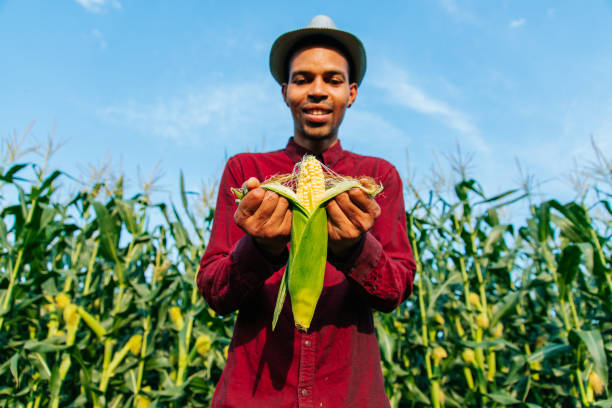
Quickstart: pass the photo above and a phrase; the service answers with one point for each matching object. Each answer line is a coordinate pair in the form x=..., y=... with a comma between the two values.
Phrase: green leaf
x=10, y=173
x=543, y=221
x=126, y=211
x=109, y=237
x=498, y=197
x=594, y=343
x=14, y=368
x=494, y=236
x=385, y=341
x=3, y=236
x=48, y=182
x=38, y=360
x=416, y=392
x=587, y=252
x=504, y=306
x=453, y=278
x=547, y=351
x=280, y=300
x=45, y=346
x=503, y=397
x=568, y=268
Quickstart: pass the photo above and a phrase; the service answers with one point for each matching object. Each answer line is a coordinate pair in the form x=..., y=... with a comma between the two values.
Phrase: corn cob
x=308, y=250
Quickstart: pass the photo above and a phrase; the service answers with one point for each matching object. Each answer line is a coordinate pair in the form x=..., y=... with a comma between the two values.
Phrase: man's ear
x=352, y=94
x=284, y=92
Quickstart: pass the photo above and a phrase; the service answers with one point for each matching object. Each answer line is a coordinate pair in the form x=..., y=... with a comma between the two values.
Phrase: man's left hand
x=349, y=216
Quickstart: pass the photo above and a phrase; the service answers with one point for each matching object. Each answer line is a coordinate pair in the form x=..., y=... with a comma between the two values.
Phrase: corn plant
x=99, y=306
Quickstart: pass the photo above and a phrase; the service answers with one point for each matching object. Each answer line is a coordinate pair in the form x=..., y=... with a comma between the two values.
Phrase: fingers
x=251, y=202
x=351, y=214
x=335, y=216
x=364, y=202
x=264, y=214
x=285, y=228
x=278, y=218
x=252, y=183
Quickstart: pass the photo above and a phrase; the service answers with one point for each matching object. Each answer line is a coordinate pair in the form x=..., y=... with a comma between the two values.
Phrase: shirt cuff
x=253, y=263
x=362, y=262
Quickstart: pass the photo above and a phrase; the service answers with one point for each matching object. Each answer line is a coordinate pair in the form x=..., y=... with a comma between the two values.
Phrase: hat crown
x=321, y=21
x=320, y=25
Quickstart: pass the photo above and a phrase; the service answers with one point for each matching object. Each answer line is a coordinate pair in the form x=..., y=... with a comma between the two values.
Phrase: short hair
x=320, y=40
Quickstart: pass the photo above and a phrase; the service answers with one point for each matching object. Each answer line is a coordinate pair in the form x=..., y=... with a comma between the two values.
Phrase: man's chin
x=318, y=134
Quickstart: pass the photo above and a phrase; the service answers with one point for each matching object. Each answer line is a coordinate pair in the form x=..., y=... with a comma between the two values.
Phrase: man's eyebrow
x=296, y=73
x=327, y=73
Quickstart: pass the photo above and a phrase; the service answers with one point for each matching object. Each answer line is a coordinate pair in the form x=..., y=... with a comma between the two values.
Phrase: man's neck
x=315, y=146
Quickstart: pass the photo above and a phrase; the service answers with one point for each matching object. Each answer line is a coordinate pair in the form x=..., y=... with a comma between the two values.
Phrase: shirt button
x=307, y=344
x=304, y=392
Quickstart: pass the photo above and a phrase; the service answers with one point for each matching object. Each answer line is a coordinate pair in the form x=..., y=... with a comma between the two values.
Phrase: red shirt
x=337, y=363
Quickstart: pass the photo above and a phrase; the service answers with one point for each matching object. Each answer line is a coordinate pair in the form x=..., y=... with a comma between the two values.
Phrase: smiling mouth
x=316, y=112
x=317, y=116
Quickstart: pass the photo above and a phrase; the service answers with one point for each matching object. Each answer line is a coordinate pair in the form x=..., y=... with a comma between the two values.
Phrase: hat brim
x=285, y=43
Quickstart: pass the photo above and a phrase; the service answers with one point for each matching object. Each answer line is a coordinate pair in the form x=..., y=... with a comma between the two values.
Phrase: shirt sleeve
x=383, y=265
x=233, y=268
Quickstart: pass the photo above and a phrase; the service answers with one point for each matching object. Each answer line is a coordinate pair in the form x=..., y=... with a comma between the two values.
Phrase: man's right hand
x=265, y=216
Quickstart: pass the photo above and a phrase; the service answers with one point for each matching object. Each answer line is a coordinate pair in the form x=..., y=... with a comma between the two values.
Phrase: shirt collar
x=329, y=157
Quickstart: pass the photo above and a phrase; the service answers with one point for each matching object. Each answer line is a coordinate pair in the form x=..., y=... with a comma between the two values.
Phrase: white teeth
x=316, y=112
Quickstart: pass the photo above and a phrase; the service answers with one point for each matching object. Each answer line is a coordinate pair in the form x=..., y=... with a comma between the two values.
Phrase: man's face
x=318, y=93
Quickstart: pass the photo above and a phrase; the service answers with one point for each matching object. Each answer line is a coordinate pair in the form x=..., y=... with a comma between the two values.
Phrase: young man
x=336, y=363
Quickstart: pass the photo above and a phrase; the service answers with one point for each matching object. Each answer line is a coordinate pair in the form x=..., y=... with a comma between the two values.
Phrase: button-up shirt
x=336, y=363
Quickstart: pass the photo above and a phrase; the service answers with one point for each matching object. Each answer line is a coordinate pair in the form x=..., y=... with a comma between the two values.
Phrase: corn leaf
x=594, y=343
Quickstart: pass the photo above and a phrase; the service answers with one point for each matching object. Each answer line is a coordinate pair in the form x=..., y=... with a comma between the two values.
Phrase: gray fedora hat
x=319, y=26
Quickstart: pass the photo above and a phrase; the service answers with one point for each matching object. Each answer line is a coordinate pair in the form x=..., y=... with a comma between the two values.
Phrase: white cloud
x=215, y=111
x=458, y=13
x=97, y=34
x=517, y=23
x=99, y=6
x=401, y=91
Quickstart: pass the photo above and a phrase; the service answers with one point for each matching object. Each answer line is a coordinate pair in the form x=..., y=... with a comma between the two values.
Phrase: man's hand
x=265, y=216
x=349, y=216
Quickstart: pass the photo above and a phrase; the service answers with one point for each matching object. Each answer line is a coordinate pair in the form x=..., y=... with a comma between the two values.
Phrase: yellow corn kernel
x=311, y=183
x=439, y=319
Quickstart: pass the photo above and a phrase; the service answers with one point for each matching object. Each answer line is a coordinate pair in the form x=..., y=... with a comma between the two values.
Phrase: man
x=336, y=363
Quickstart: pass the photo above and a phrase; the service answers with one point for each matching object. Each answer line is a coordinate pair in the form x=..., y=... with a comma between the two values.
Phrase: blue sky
x=187, y=83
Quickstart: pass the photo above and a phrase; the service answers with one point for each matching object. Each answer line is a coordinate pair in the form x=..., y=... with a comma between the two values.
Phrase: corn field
x=99, y=305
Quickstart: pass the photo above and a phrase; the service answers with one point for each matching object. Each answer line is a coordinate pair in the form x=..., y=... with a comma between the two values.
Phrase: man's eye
x=336, y=81
x=299, y=80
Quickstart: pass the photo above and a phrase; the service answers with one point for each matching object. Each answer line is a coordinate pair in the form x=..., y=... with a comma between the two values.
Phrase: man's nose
x=317, y=89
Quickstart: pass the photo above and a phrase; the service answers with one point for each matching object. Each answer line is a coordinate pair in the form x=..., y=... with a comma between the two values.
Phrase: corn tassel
x=308, y=250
